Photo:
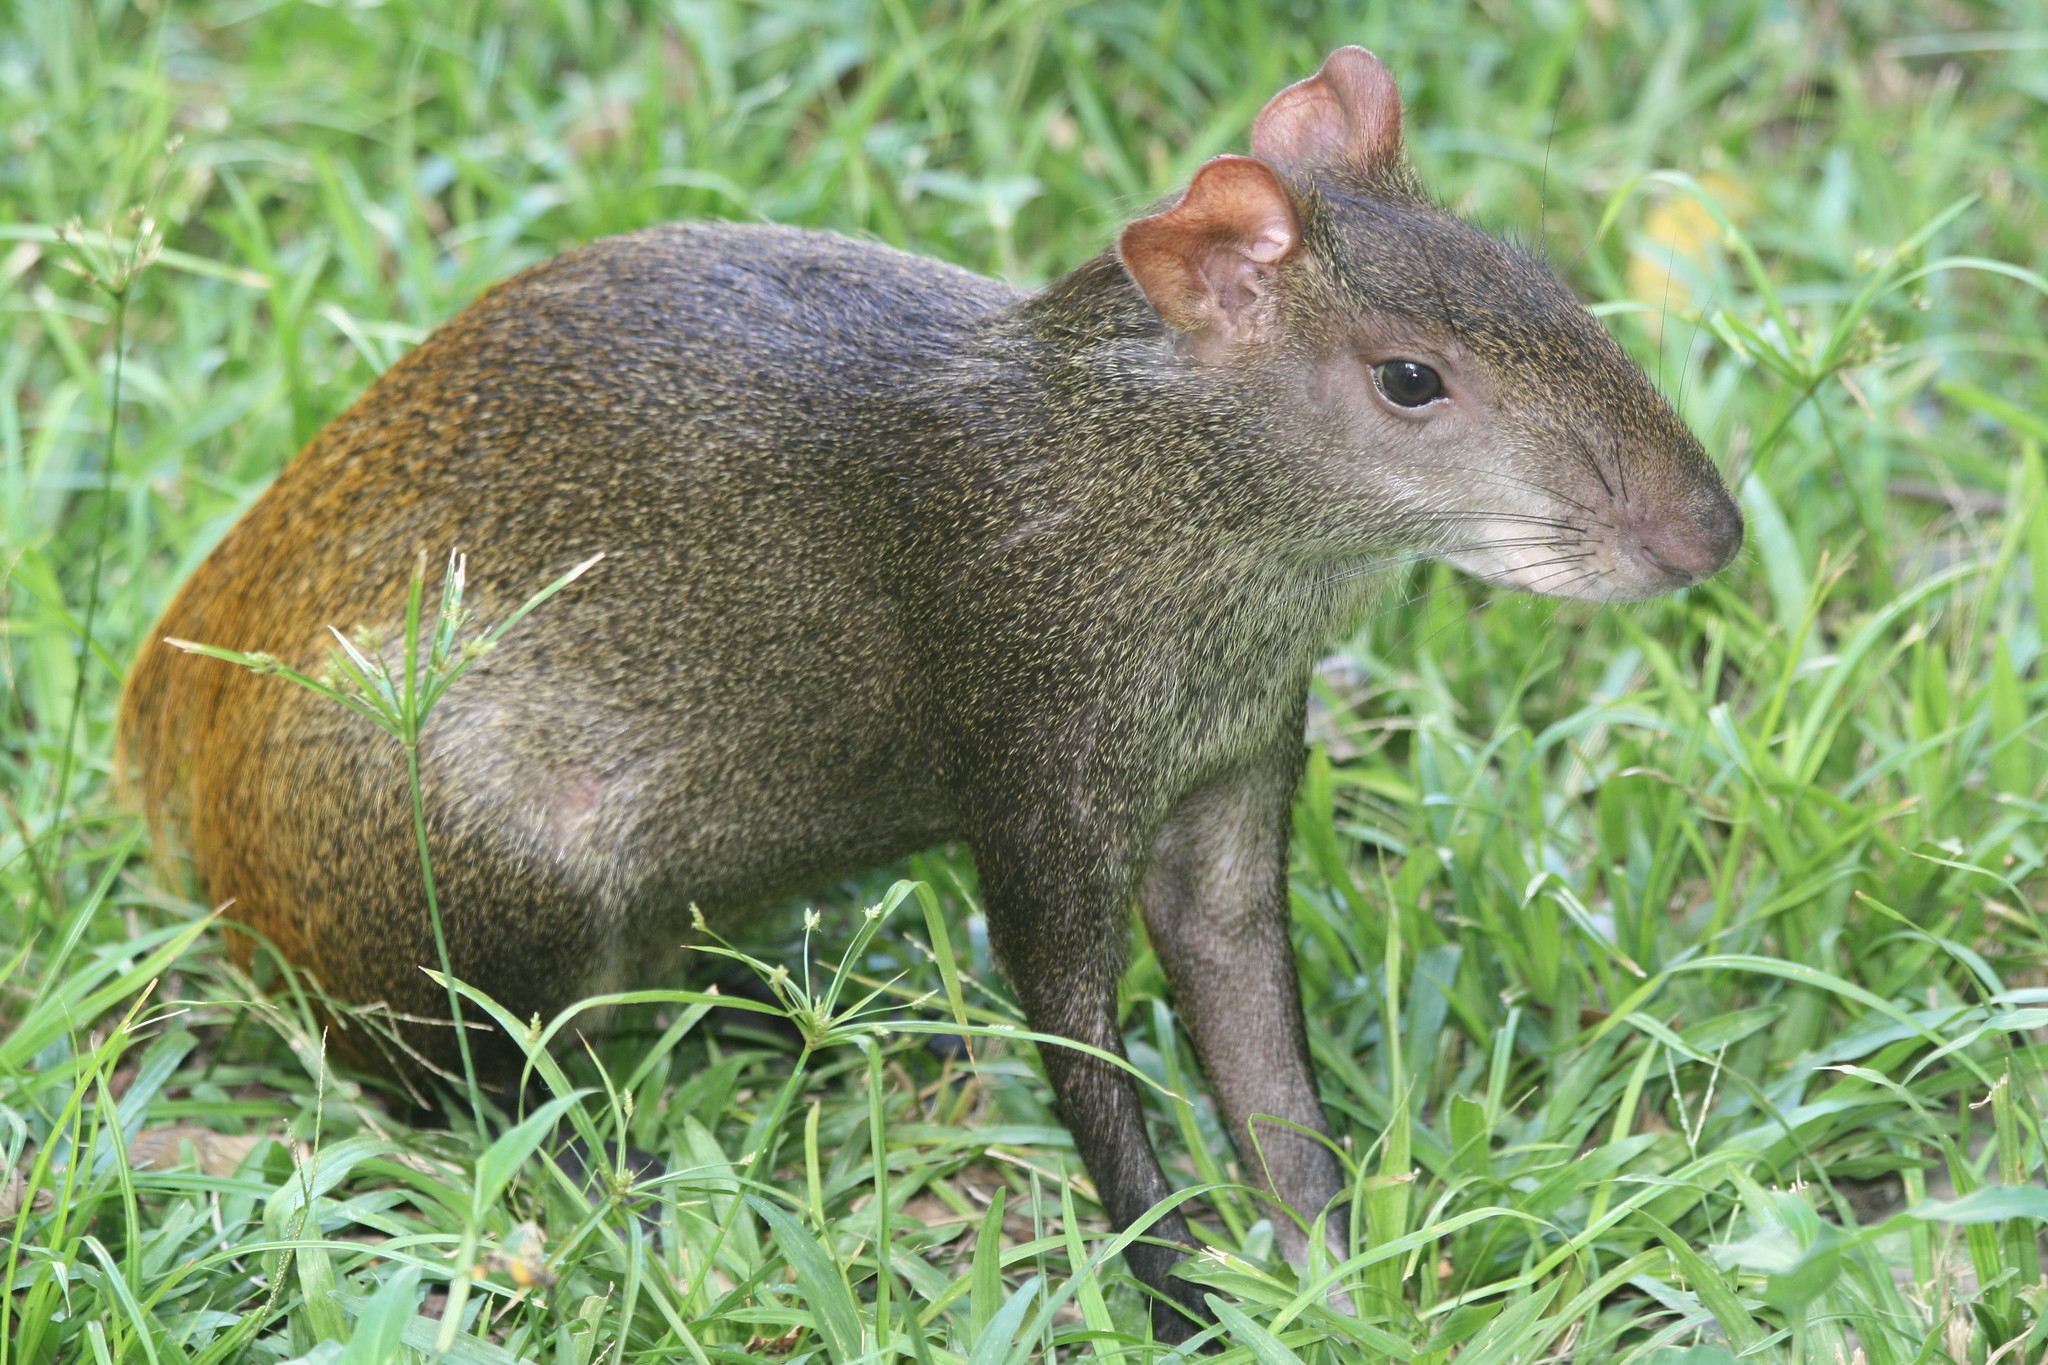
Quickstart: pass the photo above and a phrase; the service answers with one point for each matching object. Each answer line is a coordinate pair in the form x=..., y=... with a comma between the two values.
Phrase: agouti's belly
x=724, y=765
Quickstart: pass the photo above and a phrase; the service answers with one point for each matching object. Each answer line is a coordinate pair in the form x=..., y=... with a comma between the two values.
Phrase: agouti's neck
x=1070, y=446
x=1093, y=303
x=1081, y=379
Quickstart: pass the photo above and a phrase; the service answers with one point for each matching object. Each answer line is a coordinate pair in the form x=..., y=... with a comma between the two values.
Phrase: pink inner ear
x=1347, y=114
x=1202, y=261
x=1270, y=245
x=1236, y=202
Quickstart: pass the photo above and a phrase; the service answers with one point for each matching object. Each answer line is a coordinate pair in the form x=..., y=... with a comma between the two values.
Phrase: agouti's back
x=700, y=403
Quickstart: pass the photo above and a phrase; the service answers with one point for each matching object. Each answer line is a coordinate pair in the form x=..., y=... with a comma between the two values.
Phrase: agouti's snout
x=1687, y=544
x=896, y=554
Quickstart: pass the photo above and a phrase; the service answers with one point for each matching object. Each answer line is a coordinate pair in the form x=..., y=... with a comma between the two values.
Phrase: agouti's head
x=1443, y=392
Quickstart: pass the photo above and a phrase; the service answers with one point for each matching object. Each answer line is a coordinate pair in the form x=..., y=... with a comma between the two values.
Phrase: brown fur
x=897, y=554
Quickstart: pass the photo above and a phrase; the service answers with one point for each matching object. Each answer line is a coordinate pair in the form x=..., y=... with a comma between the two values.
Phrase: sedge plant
x=398, y=697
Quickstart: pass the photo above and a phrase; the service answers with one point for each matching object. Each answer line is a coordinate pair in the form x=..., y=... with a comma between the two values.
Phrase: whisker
x=1355, y=571
x=1521, y=518
x=1537, y=584
x=1664, y=310
x=1489, y=600
x=1532, y=485
x=1436, y=521
x=1430, y=520
x=1485, y=601
x=1415, y=599
x=1698, y=325
x=1592, y=460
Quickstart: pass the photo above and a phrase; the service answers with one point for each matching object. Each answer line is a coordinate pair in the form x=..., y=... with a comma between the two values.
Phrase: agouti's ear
x=1346, y=116
x=1207, y=263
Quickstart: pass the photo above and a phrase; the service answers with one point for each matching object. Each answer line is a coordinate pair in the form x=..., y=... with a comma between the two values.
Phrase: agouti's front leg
x=1215, y=905
x=1058, y=919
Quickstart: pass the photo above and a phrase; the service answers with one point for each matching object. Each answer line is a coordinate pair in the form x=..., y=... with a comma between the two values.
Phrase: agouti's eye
x=1407, y=383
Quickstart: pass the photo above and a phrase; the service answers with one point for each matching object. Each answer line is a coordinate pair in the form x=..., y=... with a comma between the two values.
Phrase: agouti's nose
x=1692, y=544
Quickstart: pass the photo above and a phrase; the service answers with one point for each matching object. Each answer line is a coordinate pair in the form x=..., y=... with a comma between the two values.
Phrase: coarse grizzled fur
x=895, y=555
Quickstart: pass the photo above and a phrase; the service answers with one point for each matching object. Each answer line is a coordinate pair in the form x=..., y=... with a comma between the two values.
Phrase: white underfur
x=1607, y=576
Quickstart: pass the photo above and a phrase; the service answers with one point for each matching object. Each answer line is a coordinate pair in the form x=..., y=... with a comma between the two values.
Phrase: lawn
x=1677, y=973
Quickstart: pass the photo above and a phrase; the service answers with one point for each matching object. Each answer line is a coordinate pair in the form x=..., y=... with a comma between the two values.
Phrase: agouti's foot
x=1179, y=1313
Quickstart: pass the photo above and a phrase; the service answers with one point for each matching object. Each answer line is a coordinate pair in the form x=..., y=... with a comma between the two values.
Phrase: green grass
x=1677, y=973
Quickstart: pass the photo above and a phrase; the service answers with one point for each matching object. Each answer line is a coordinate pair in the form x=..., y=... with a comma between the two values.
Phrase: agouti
x=895, y=555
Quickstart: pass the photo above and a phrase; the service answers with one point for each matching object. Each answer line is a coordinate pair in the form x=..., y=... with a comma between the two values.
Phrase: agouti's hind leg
x=514, y=932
